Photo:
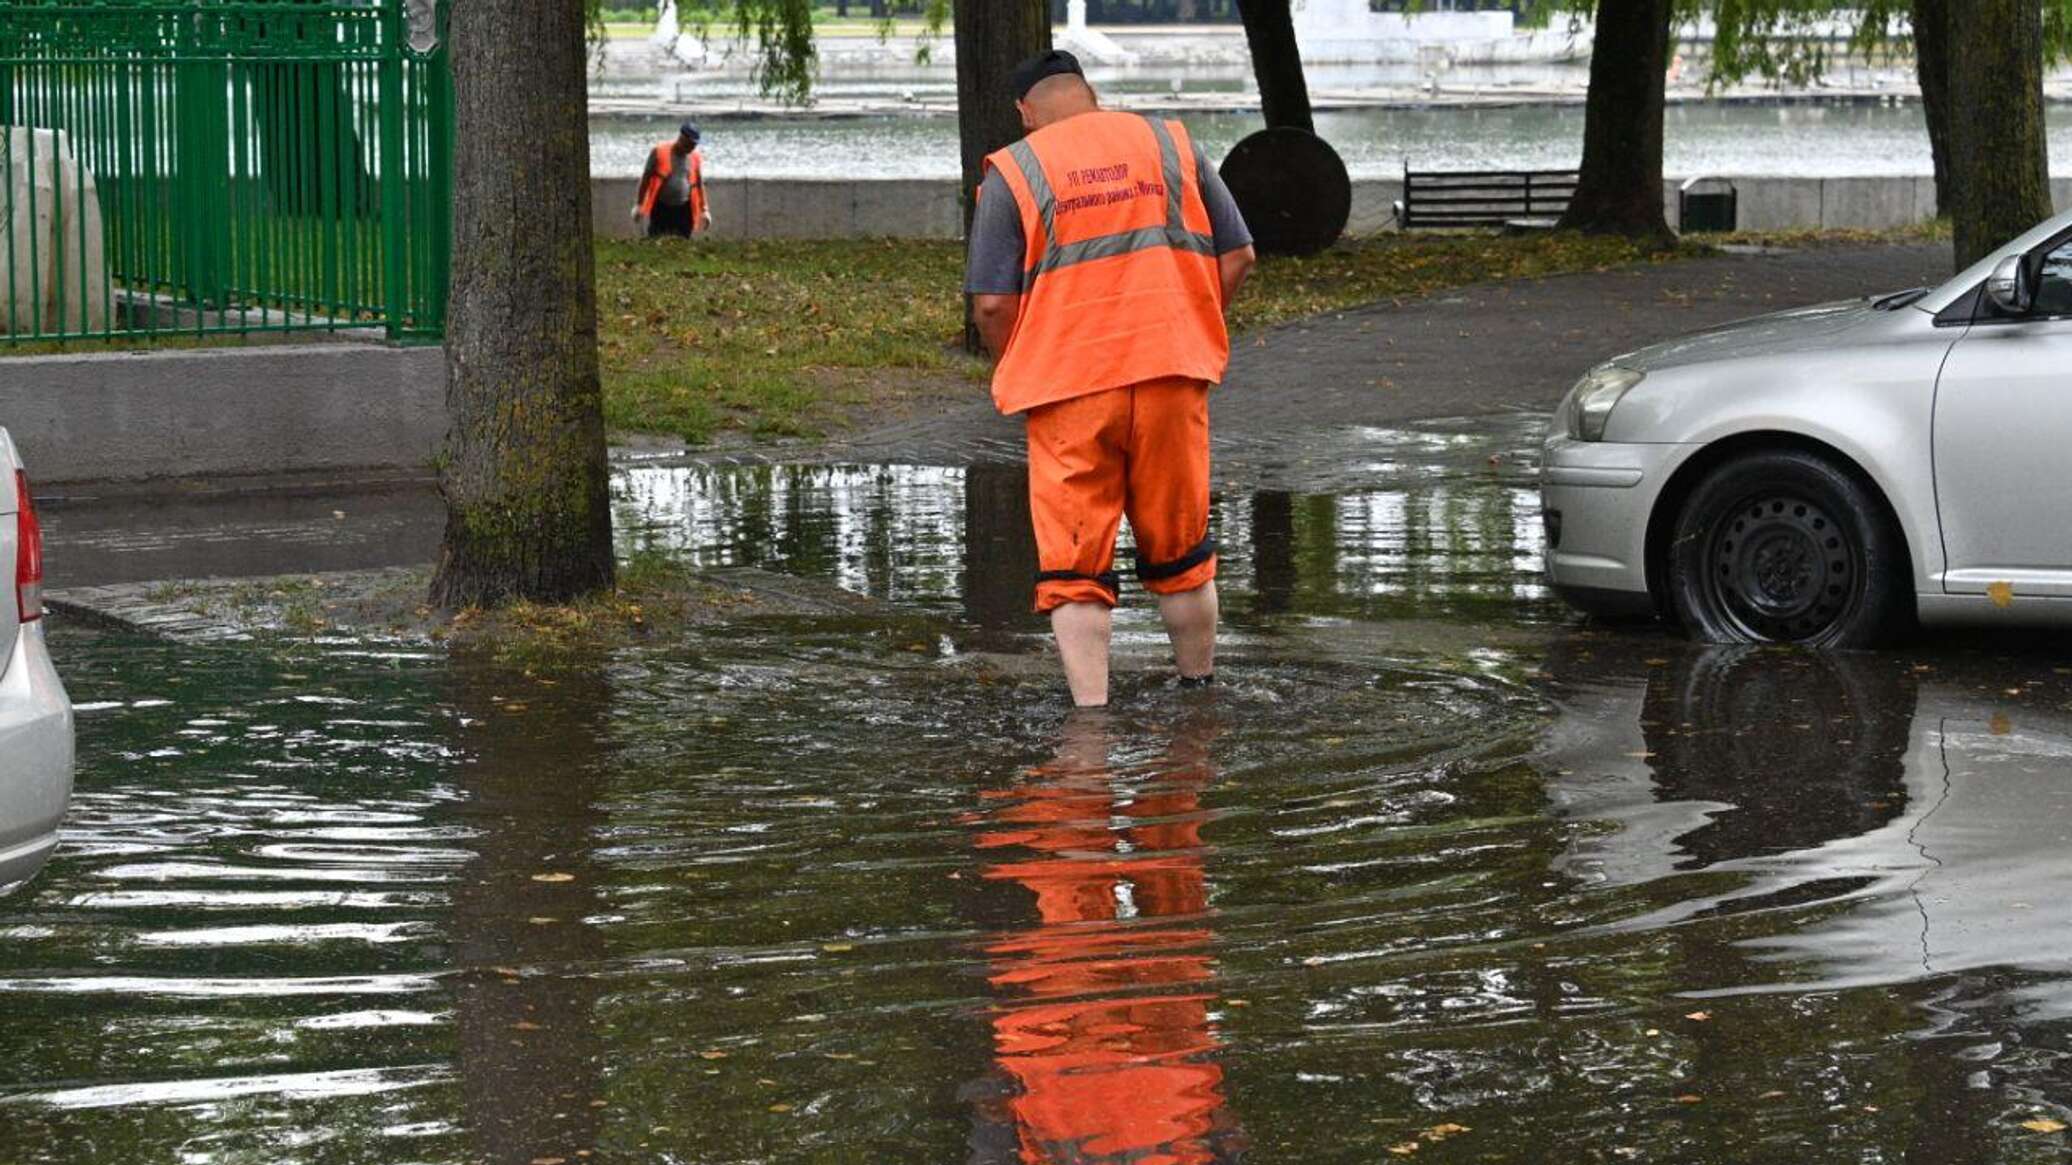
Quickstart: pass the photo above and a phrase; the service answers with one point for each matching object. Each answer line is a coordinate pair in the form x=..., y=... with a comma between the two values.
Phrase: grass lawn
x=801, y=339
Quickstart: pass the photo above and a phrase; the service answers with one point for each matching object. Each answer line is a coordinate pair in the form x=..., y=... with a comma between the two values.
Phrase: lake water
x=1702, y=138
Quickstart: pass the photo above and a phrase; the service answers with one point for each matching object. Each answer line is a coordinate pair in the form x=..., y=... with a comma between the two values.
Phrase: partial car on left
x=35, y=714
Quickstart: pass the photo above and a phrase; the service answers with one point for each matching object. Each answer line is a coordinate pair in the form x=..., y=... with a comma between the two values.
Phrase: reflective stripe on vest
x=1174, y=234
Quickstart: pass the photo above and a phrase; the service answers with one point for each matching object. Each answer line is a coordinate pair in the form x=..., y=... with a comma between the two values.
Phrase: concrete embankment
x=801, y=208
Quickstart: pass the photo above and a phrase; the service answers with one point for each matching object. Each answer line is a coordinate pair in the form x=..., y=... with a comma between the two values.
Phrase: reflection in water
x=523, y=932
x=339, y=903
x=1428, y=529
x=1103, y=1030
x=1816, y=780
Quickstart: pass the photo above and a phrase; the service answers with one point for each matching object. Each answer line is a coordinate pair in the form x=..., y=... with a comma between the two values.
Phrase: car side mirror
x=2009, y=286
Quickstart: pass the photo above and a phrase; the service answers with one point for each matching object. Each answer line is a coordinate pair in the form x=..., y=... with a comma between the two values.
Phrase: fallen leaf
x=780, y=1108
x=2002, y=594
x=553, y=877
x=2044, y=1125
x=1773, y=1094
x=837, y=948
x=1689, y=1098
x=1405, y=1149
x=1440, y=1132
x=1699, y=1016
x=713, y=1055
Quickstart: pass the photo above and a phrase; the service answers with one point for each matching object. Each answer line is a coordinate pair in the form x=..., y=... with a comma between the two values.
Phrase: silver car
x=35, y=714
x=1832, y=475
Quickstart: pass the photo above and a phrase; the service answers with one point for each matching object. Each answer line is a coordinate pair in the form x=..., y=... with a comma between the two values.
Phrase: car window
x=2054, y=290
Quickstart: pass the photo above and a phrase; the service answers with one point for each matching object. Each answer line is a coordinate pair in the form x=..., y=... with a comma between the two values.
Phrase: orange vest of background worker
x=671, y=200
x=1103, y=253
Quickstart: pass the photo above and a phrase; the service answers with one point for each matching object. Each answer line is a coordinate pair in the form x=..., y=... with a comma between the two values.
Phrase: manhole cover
x=1293, y=189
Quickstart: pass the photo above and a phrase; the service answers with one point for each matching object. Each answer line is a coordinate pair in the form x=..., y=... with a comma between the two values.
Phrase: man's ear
x=1028, y=119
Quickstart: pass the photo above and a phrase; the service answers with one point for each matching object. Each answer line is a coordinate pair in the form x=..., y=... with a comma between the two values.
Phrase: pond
x=1803, y=140
x=1436, y=867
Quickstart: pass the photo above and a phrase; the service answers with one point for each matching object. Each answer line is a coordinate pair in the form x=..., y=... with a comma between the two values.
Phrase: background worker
x=671, y=198
x=1103, y=253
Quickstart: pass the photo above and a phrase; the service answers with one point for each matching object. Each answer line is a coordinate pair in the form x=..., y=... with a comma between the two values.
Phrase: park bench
x=1482, y=198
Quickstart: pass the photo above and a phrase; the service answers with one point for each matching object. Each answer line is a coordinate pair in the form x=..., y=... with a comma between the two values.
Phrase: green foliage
x=1794, y=41
x=781, y=31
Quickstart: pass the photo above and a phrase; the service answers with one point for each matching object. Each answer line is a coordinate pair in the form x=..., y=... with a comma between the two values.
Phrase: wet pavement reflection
x=1439, y=873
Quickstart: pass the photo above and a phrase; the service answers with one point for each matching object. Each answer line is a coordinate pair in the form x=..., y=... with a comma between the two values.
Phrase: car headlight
x=1591, y=401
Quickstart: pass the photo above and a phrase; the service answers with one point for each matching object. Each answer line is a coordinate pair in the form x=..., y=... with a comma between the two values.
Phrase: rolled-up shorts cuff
x=1193, y=578
x=1063, y=589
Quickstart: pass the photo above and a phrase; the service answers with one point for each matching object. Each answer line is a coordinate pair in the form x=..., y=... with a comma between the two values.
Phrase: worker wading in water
x=671, y=200
x=1104, y=251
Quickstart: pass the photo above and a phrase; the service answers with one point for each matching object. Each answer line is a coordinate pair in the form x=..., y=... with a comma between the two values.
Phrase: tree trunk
x=524, y=474
x=1931, y=21
x=1999, y=156
x=992, y=37
x=1277, y=63
x=1620, y=191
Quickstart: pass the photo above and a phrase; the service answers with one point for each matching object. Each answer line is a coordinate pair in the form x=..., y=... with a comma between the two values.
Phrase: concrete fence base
x=294, y=408
x=757, y=208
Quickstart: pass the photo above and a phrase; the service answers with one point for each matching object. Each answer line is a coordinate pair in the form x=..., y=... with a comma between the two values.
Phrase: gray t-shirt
x=993, y=265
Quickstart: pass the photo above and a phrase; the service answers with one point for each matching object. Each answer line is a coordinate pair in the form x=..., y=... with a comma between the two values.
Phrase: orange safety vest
x=665, y=164
x=1120, y=281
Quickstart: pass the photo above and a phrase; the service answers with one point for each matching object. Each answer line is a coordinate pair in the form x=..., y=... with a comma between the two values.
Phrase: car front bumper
x=1596, y=498
x=35, y=758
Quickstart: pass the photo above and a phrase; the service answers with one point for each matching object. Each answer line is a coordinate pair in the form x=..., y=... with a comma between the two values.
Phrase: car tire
x=1787, y=547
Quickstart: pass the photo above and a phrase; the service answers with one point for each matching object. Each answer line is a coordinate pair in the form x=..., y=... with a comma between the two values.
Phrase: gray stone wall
x=907, y=208
x=291, y=408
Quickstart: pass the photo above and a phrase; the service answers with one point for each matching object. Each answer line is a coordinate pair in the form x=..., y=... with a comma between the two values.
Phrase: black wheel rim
x=1778, y=567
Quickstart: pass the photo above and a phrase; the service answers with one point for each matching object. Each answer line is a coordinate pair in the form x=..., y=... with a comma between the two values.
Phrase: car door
x=2003, y=448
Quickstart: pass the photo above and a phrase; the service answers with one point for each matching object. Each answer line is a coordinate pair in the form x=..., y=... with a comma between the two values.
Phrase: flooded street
x=1439, y=873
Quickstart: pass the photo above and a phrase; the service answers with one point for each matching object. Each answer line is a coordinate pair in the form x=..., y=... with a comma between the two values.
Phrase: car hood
x=1805, y=329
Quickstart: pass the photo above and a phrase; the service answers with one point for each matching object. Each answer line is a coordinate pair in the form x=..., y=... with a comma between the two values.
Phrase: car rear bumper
x=35, y=757
x=1596, y=499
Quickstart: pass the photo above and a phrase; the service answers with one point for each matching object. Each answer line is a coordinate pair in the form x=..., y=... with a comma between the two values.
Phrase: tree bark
x=1931, y=23
x=1999, y=155
x=993, y=36
x=524, y=473
x=1620, y=190
x=1277, y=63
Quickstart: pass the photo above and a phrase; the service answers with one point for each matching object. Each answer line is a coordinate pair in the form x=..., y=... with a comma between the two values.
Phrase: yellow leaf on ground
x=2002, y=594
x=1440, y=1132
x=1699, y=1016
x=2044, y=1125
x=553, y=877
x=1405, y=1149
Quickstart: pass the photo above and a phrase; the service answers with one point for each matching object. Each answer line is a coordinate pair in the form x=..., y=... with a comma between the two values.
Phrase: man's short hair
x=1036, y=70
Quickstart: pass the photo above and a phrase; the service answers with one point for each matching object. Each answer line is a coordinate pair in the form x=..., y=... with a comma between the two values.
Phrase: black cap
x=1055, y=63
x=690, y=130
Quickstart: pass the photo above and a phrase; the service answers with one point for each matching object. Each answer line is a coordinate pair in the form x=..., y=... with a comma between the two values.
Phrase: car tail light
x=28, y=563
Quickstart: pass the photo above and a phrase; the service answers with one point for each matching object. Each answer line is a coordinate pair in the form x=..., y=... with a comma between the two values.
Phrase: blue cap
x=690, y=130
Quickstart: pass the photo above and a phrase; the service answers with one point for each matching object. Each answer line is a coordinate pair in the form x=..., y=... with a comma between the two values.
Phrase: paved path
x=1492, y=348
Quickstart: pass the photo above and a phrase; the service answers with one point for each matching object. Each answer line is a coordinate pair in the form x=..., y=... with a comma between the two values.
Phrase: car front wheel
x=1786, y=547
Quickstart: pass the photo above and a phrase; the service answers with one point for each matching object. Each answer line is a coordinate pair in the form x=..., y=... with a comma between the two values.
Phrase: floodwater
x=1436, y=867
x=1804, y=140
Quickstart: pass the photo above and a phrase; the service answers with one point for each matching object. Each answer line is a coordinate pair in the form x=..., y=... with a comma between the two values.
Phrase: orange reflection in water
x=1104, y=1025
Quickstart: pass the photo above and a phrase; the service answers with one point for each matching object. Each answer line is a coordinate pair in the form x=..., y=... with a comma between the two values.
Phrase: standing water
x=1422, y=878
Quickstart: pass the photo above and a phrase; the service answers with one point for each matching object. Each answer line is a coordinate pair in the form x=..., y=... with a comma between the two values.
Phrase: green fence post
x=395, y=232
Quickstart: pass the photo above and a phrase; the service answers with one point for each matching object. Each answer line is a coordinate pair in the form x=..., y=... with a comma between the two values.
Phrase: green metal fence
x=191, y=167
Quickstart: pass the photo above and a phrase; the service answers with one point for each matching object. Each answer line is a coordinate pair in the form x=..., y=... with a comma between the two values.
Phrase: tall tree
x=1277, y=63
x=525, y=472
x=1999, y=153
x=1620, y=189
x=1930, y=21
x=993, y=36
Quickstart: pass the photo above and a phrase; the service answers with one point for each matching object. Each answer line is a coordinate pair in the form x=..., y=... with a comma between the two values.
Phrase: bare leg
x=1190, y=621
x=1083, y=630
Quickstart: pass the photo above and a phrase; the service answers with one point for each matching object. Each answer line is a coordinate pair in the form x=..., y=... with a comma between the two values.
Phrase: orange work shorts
x=1141, y=451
